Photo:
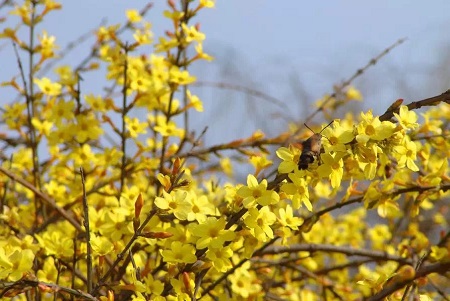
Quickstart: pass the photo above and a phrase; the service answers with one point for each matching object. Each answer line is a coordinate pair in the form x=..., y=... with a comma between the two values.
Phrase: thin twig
x=235, y=267
x=69, y=48
x=123, y=134
x=333, y=249
x=246, y=90
x=119, y=258
x=24, y=283
x=358, y=72
x=88, y=234
x=49, y=201
x=426, y=270
x=431, y=101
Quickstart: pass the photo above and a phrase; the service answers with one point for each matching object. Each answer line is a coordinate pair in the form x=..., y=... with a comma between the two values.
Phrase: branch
x=88, y=234
x=432, y=101
x=358, y=72
x=243, y=89
x=378, y=255
x=25, y=284
x=426, y=270
x=44, y=197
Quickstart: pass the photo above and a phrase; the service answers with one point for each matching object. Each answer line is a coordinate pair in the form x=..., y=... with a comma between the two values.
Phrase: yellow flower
x=368, y=159
x=207, y=3
x=333, y=168
x=83, y=156
x=62, y=110
x=353, y=94
x=14, y=263
x=88, y=127
x=407, y=118
x=220, y=258
x=298, y=190
x=180, y=77
x=259, y=223
x=379, y=235
x=201, y=54
x=406, y=154
x=168, y=129
x=48, y=273
x=101, y=245
x=154, y=287
x=226, y=166
x=212, y=233
x=47, y=46
x=337, y=137
x=66, y=75
x=201, y=208
x=244, y=282
x=179, y=253
x=56, y=243
x=373, y=128
x=256, y=192
x=96, y=102
x=290, y=157
x=43, y=127
x=135, y=127
x=260, y=162
x=143, y=36
x=192, y=34
x=175, y=203
x=133, y=15
x=287, y=219
x=194, y=101
x=47, y=87
x=166, y=45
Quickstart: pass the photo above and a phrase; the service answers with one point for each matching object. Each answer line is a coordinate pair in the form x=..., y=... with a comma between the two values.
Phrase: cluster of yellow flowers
x=159, y=229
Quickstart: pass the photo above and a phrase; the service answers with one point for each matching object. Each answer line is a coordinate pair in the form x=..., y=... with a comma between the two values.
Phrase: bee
x=311, y=148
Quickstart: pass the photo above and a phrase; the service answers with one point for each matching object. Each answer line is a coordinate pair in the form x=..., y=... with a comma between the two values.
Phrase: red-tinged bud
x=406, y=272
x=176, y=166
x=171, y=3
x=110, y=295
x=138, y=206
x=395, y=105
x=45, y=288
x=236, y=143
x=197, y=26
x=136, y=223
x=422, y=281
x=265, y=271
x=186, y=281
x=159, y=235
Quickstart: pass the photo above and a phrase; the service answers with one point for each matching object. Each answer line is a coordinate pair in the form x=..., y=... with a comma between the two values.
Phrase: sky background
x=294, y=51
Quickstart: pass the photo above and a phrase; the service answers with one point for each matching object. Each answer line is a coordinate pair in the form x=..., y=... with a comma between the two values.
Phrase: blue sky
x=293, y=50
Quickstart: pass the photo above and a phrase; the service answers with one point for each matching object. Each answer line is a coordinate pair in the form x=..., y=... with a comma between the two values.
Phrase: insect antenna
x=309, y=128
x=321, y=129
x=326, y=126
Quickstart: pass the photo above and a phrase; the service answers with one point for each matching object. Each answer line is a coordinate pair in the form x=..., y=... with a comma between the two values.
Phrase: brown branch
x=235, y=267
x=48, y=200
x=426, y=270
x=122, y=254
x=88, y=233
x=243, y=89
x=24, y=284
x=123, y=133
x=279, y=140
x=431, y=101
x=378, y=255
x=358, y=72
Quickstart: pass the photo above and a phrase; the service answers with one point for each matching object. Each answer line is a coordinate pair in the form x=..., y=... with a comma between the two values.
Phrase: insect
x=311, y=148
